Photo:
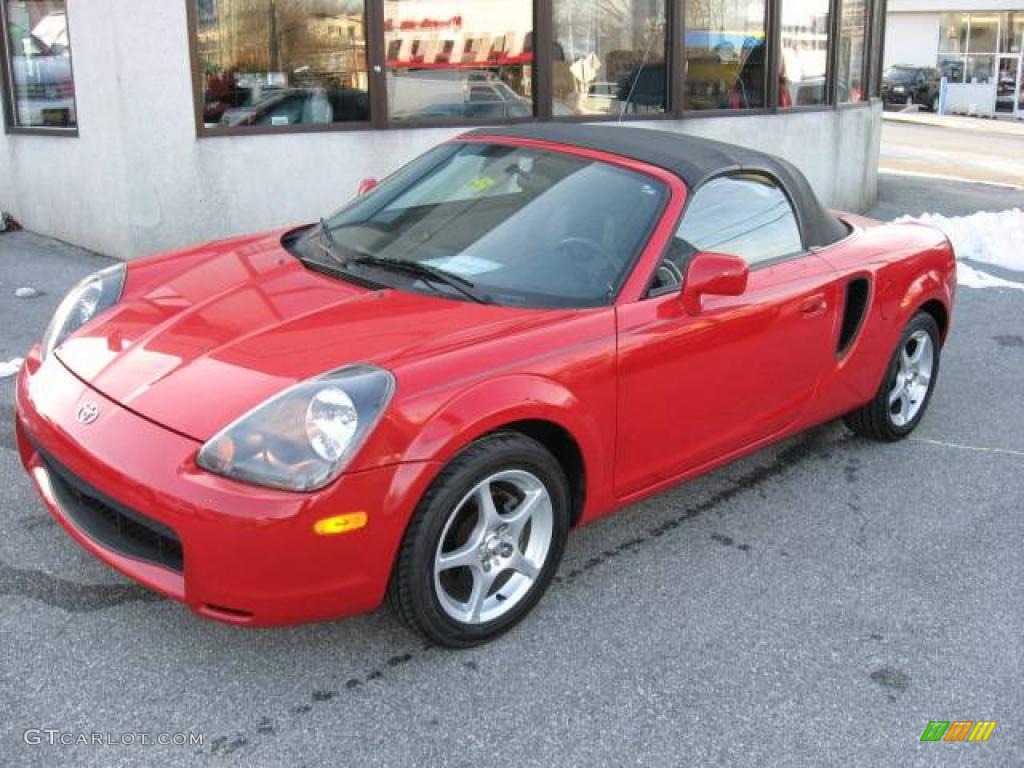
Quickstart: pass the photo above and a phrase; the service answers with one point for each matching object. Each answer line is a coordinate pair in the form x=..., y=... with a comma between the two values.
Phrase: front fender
x=491, y=405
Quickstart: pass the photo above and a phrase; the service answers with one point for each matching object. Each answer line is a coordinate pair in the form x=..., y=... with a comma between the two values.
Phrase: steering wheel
x=668, y=274
x=587, y=251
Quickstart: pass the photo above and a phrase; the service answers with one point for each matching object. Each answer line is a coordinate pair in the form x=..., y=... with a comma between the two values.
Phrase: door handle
x=813, y=305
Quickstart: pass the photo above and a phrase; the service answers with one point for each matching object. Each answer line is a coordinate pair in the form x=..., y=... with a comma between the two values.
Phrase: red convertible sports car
x=519, y=332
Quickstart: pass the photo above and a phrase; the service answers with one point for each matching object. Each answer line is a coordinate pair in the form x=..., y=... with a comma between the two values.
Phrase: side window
x=745, y=215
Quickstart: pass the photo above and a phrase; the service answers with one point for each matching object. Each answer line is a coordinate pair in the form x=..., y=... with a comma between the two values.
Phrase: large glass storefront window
x=459, y=59
x=609, y=57
x=980, y=69
x=1011, y=36
x=953, y=33
x=41, y=87
x=849, y=79
x=951, y=67
x=282, y=62
x=804, y=53
x=289, y=64
x=725, y=54
x=983, y=33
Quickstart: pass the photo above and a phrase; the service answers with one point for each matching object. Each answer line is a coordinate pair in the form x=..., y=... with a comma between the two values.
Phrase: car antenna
x=636, y=80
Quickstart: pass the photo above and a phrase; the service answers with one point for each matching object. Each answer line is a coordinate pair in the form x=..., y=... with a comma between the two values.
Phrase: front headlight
x=303, y=438
x=94, y=294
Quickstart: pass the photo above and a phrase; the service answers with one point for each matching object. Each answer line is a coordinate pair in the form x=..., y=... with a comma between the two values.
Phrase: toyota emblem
x=87, y=412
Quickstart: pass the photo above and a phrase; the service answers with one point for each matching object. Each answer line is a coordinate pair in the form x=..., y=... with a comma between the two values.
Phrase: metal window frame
x=8, y=96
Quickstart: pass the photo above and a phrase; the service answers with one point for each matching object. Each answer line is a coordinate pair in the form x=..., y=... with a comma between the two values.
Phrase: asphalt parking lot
x=817, y=603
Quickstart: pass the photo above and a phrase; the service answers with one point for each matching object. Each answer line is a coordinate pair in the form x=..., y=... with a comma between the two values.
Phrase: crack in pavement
x=788, y=457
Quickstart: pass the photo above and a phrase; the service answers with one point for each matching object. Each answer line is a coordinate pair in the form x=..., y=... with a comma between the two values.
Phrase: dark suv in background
x=905, y=85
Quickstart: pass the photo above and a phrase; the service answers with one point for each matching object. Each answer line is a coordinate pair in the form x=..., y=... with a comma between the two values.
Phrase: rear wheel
x=901, y=401
x=484, y=543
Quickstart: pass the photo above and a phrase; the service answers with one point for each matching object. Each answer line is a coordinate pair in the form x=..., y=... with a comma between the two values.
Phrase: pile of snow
x=10, y=367
x=970, y=277
x=995, y=238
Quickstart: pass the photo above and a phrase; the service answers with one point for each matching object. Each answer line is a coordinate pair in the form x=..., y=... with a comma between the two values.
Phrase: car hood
x=201, y=338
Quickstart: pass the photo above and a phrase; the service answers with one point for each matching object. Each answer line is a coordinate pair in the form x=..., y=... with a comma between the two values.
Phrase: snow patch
x=10, y=367
x=970, y=277
x=986, y=237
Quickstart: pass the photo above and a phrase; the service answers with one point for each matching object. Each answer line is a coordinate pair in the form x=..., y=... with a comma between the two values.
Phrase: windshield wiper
x=459, y=283
x=326, y=243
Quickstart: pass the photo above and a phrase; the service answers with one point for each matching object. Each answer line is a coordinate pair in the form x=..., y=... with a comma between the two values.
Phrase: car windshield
x=514, y=225
x=900, y=75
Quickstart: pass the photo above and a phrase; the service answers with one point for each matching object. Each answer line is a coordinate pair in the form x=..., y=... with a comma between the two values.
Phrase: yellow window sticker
x=481, y=183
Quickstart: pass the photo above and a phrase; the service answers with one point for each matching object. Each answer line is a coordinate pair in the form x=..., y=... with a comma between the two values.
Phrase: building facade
x=137, y=127
x=968, y=41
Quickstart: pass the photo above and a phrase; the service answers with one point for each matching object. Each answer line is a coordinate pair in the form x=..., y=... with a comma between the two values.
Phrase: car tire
x=906, y=390
x=468, y=571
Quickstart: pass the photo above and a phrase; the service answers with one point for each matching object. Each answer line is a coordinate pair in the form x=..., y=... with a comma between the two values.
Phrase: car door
x=697, y=387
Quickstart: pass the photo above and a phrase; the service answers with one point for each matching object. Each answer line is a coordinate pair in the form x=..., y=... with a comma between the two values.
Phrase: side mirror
x=366, y=185
x=713, y=274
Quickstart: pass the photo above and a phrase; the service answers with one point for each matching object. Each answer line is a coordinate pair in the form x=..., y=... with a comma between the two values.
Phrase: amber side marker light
x=328, y=526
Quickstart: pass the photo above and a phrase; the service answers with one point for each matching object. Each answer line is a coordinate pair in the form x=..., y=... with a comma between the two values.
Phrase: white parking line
x=962, y=447
x=945, y=177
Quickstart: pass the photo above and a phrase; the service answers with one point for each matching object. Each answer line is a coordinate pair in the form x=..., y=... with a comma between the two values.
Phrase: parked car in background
x=295, y=106
x=905, y=86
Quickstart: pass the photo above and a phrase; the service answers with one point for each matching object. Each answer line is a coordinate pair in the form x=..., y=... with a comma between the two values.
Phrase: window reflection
x=282, y=62
x=953, y=33
x=980, y=69
x=40, y=64
x=745, y=215
x=725, y=54
x=461, y=59
x=983, y=32
x=609, y=57
x=851, y=51
x=1011, y=37
x=951, y=67
x=804, y=52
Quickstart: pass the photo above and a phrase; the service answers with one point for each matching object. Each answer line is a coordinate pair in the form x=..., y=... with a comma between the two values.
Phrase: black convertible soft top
x=693, y=159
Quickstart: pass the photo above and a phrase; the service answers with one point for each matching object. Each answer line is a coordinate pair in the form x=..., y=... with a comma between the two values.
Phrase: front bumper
x=895, y=97
x=126, y=489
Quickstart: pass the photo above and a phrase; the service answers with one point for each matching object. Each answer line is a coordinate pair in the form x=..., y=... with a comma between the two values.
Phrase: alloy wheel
x=493, y=547
x=913, y=378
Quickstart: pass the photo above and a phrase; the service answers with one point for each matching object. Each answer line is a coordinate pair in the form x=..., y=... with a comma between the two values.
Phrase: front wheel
x=484, y=542
x=901, y=401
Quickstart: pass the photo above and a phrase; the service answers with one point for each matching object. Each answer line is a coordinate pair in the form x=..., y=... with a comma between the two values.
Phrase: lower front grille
x=111, y=524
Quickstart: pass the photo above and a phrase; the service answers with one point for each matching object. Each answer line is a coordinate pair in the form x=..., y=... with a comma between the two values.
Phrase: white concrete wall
x=911, y=38
x=137, y=180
